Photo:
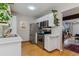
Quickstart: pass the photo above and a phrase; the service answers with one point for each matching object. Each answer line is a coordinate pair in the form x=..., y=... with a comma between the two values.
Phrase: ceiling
x=41, y=8
x=71, y=12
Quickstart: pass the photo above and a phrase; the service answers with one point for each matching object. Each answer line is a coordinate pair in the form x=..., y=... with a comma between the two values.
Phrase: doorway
x=71, y=35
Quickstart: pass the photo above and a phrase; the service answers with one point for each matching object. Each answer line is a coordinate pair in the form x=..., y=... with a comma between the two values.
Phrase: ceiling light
x=31, y=7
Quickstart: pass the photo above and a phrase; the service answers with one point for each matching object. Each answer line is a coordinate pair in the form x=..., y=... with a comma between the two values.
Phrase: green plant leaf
x=5, y=15
x=4, y=6
x=56, y=20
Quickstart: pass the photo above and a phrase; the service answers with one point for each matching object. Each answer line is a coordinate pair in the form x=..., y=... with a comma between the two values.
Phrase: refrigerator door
x=33, y=30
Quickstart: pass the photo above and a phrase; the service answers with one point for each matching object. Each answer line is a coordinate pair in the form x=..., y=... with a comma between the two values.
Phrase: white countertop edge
x=10, y=40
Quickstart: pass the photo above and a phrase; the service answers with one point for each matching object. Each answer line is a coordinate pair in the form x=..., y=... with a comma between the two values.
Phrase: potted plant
x=5, y=14
x=56, y=20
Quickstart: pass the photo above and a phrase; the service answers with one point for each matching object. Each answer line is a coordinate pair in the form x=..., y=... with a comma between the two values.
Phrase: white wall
x=24, y=33
x=13, y=24
x=75, y=28
x=60, y=44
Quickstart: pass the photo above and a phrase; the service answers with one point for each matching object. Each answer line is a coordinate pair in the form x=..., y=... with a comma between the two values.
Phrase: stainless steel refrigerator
x=33, y=30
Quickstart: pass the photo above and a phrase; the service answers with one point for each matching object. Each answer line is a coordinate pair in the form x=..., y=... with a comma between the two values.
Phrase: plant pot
x=5, y=22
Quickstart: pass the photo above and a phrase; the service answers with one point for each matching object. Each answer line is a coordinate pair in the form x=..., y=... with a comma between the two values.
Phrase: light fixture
x=31, y=7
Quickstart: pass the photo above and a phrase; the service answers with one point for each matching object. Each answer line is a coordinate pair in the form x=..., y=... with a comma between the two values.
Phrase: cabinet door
x=50, y=43
x=46, y=42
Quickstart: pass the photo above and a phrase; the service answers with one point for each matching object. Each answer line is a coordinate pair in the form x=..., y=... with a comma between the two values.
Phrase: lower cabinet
x=50, y=43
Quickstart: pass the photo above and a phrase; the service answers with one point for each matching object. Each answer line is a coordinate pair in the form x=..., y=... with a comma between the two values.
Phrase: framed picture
x=22, y=25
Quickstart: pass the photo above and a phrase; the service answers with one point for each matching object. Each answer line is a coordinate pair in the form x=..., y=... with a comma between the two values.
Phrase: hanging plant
x=5, y=14
x=56, y=20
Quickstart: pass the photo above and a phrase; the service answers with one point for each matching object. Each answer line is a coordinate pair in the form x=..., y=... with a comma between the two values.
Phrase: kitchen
x=43, y=30
x=46, y=34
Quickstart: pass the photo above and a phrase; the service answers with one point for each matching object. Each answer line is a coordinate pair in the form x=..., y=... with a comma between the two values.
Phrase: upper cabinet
x=46, y=21
x=44, y=24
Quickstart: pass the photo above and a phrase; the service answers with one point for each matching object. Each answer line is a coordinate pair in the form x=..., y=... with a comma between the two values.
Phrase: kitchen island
x=10, y=46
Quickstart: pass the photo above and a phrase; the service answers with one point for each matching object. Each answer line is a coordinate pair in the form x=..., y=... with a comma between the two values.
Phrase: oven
x=40, y=40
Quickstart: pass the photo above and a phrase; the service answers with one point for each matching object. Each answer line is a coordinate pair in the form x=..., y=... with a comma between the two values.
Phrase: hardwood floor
x=29, y=49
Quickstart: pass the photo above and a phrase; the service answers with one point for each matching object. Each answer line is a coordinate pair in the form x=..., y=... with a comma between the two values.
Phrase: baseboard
x=51, y=50
x=25, y=41
x=60, y=50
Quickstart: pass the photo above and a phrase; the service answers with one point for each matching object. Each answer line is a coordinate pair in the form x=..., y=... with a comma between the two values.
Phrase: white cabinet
x=10, y=46
x=48, y=17
x=50, y=43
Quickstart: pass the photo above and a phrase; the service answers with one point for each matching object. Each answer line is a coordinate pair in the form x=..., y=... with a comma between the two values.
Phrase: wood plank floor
x=29, y=49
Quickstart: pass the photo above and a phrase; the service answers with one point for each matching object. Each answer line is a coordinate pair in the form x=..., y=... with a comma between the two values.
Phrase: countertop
x=50, y=35
x=10, y=40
